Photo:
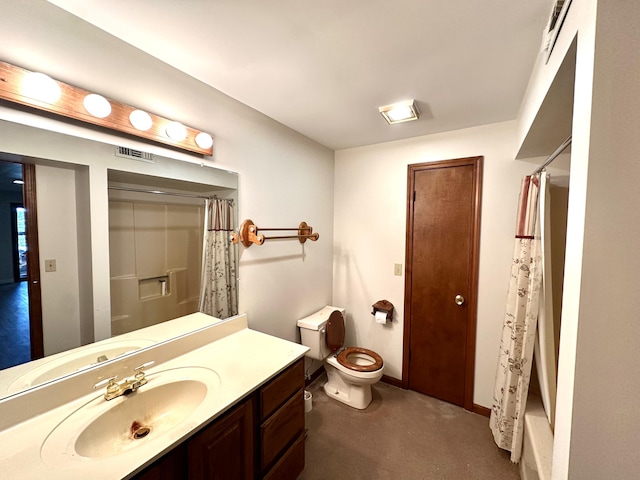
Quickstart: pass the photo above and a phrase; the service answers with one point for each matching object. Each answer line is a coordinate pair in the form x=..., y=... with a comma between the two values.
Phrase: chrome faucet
x=115, y=389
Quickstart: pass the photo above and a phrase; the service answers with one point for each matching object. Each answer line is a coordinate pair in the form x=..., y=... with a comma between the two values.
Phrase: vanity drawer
x=284, y=426
x=291, y=464
x=276, y=393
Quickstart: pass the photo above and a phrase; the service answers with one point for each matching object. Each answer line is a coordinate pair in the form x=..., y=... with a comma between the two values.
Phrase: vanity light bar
x=39, y=91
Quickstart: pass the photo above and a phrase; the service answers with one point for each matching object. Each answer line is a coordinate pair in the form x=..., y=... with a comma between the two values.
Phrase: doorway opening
x=19, y=237
x=21, y=338
x=15, y=344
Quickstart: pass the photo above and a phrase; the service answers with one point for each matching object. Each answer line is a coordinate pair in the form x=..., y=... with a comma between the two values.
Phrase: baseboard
x=385, y=378
x=480, y=410
x=391, y=381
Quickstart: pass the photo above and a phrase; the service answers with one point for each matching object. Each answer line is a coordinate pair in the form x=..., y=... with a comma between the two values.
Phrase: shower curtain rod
x=553, y=156
x=158, y=192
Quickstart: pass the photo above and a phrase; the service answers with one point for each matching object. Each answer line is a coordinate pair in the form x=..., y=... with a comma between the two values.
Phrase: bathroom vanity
x=221, y=402
x=262, y=436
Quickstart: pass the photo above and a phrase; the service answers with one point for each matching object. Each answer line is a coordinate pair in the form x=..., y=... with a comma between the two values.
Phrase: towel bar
x=249, y=234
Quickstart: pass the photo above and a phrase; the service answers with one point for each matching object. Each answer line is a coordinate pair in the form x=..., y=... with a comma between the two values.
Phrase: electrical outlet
x=397, y=269
x=49, y=265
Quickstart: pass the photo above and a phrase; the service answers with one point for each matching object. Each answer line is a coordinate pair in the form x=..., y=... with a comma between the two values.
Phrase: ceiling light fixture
x=400, y=112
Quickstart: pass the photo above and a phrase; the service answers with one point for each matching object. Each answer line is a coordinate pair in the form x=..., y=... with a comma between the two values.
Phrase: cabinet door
x=224, y=451
x=170, y=467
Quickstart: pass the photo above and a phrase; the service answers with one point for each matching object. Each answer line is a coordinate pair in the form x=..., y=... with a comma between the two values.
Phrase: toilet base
x=356, y=396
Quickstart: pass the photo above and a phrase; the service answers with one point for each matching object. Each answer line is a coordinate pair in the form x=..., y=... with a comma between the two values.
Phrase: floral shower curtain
x=218, y=294
x=519, y=329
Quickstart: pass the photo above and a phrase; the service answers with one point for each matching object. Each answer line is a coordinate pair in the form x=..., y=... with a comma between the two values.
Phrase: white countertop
x=243, y=360
x=21, y=377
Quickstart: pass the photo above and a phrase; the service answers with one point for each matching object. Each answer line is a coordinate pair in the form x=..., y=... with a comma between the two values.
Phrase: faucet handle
x=107, y=381
x=140, y=368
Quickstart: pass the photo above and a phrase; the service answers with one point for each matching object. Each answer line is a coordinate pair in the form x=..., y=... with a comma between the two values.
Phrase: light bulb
x=204, y=140
x=176, y=131
x=39, y=86
x=140, y=120
x=97, y=105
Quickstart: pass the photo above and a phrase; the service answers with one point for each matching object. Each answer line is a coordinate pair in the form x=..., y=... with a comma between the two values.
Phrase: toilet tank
x=312, y=332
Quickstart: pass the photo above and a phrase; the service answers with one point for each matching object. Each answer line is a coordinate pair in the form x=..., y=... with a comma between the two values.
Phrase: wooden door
x=443, y=220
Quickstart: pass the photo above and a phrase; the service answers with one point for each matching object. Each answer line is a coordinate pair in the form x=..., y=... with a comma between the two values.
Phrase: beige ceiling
x=324, y=67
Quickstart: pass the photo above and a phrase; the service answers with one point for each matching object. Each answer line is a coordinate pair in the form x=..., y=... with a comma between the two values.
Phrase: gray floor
x=402, y=435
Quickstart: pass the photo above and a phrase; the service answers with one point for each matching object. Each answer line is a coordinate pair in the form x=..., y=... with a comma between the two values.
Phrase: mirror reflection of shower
x=156, y=235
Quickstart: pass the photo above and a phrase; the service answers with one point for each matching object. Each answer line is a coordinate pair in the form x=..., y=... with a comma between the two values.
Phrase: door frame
x=29, y=200
x=475, y=162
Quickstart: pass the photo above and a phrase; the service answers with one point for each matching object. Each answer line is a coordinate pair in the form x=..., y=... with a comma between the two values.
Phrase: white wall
x=57, y=238
x=370, y=225
x=605, y=422
x=284, y=178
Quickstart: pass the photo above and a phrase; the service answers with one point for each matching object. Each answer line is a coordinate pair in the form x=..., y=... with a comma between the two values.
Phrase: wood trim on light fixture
x=70, y=105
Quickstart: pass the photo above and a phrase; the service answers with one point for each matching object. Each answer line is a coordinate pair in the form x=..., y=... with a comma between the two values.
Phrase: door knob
x=459, y=299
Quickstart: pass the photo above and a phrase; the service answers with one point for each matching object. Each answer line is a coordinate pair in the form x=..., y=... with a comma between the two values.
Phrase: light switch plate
x=397, y=269
x=49, y=265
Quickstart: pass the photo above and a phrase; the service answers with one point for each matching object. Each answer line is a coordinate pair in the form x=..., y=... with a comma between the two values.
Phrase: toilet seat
x=335, y=331
x=334, y=339
x=343, y=359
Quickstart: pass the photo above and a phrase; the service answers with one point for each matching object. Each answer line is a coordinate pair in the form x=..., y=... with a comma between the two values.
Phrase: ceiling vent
x=556, y=19
x=555, y=13
x=132, y=154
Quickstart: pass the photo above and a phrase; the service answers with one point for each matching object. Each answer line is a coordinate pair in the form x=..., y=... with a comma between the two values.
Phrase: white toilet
x=351, y=371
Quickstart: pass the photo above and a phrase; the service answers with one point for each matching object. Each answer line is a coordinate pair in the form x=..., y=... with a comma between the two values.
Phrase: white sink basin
x=104, y=428
x=73, y=362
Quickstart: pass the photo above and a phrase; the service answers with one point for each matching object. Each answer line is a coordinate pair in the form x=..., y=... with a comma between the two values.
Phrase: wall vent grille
x=555, y=13
x=132, y=154
x=556, y=19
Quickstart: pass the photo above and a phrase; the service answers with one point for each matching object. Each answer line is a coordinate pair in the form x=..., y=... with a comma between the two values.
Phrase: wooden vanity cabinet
x=262, y=437
x=223, y=450
x=170, y=467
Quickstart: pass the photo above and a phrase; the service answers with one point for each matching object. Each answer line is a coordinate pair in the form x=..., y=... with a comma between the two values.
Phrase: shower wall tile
x=122, y=255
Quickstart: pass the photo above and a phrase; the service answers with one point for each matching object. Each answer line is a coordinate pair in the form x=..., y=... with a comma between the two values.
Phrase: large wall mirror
x=123, y=246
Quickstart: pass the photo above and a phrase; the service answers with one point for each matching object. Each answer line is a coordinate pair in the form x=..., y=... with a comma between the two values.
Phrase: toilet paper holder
x=384, y=306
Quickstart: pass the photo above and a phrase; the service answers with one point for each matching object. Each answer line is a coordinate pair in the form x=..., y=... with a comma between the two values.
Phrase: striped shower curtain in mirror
x=519, y=328
x=218, y=291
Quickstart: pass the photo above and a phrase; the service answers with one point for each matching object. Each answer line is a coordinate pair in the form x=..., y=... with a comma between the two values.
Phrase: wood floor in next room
x=14, y=324
x=402, y=435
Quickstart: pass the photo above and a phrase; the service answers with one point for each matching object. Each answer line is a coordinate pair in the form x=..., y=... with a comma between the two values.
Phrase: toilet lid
x=335, y=331
x=343, y=359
